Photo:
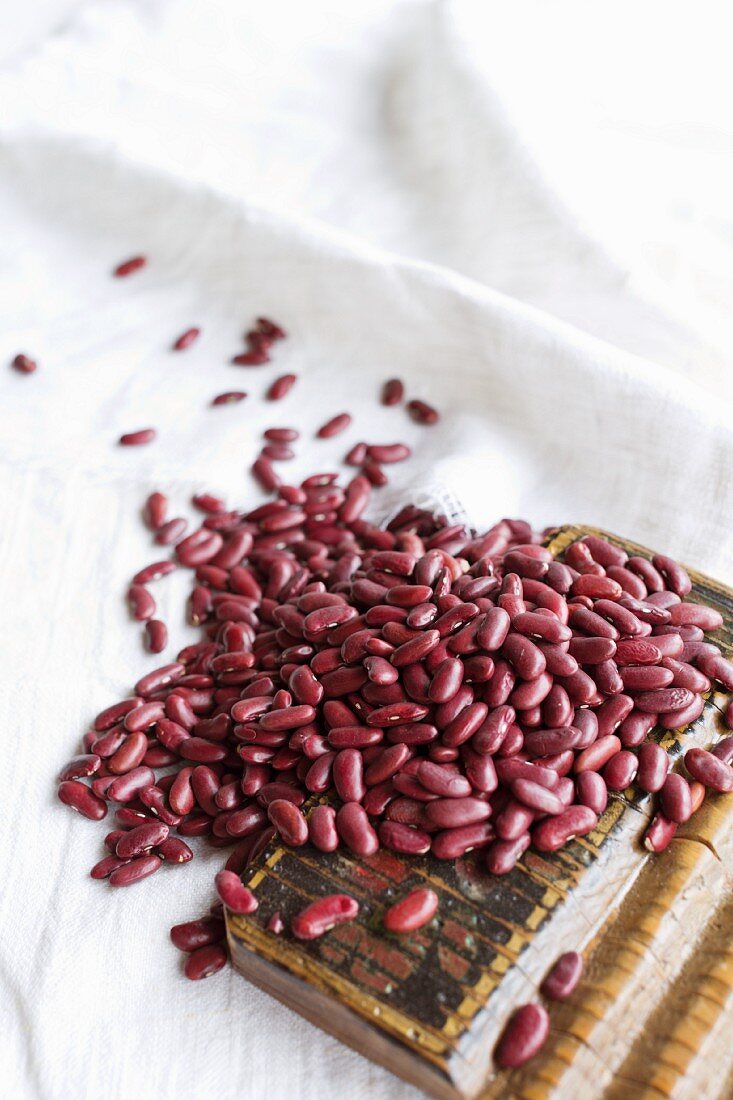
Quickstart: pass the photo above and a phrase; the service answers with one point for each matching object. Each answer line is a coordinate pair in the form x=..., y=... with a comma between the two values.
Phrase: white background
x=508, y=205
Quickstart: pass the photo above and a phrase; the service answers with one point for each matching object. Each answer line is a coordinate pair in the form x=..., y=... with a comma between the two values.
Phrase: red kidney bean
x=281, y=386
x=128, y=267
x=170, y=532
x=453, y=843
x=553, y=832
x=80, y=766
x=82, y=799
x=194, y=934
x=563, y=977
x=156, y=633
x=524, y=1035
x=675, y=798
x=186, y=339
x=724, y=749
x=355, y=830
x=620, y=771
x=25, y=365
x=141, y=839
x=322, y=831
x=385, y=453
x=324, y=914
x=230, y=397
x=142, y=604
x=138, y=438
x=289, y=821
x=660, y=833
x=174, y=850
x=134, y=870
x=106, y=866
x=709, y=770
x=653, y=767
x=664, y=699
x=404, y=838
x=392, y=392
x=596, y=755
x=591, y=791
x=334, y=426
x=126, y=787
x=451, y=813
x=205, y=961
x=674, y=574
x=421, y=412
x=412, y=912
x=234, y=894
x=502, y=855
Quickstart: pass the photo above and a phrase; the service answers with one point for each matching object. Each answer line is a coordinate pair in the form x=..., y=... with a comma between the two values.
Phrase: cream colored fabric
x=304, y=163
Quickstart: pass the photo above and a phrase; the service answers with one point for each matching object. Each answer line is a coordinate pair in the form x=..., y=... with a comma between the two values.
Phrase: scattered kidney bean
x=563, y=977
x=193, y=934
x=186, y=339
x=392, y=392
x=524, y=1035
x=205, y=961
x=24, y=364
x=138, y=438
x=230, y=397
x=334, y=426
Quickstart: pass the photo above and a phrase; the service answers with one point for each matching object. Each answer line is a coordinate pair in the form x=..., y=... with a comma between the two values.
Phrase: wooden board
x=654, y=1012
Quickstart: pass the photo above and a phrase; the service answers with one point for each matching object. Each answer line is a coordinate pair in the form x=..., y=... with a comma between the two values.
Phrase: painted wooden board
x=653, y=1015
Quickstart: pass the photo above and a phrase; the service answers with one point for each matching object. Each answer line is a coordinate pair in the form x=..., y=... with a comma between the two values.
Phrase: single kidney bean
x=502, y=855
x=234, y=894
x=355, y=829
x=392, y=392
x=82, y=799
x=174, y=850
x=675, y=798
x=524, y=1035
x=724, y=750
x=322, y=830
x=404, y=838
x=554, y=832
x=412, y=912
x=709, y=770
x=620, y=771
x=205, y=961
x=563, y=977
x=653, y=767
x=194, y=934
x=596, y=755
x=660, y=833
x=141, y=839
x=591, y=791
x=289, y=821
x=451, y=813
x=80, y=766
x=135, y=870
x=324, y=914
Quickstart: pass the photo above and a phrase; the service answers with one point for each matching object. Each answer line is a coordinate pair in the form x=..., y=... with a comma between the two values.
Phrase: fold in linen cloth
x=538, y=419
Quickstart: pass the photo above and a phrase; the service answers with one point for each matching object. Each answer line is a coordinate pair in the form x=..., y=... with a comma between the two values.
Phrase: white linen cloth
x=222, y=145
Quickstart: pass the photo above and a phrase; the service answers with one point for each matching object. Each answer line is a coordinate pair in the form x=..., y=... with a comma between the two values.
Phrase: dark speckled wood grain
x=430, y=1006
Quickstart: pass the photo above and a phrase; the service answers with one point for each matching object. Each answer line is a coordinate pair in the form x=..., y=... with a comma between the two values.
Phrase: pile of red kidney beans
x=447, y=690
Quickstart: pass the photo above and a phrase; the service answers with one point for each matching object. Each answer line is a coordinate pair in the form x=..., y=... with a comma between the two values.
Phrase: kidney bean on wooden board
x=563, y=977
x=234, y=894
x=324, y=914
x=411, y=912
x=524, y=1035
